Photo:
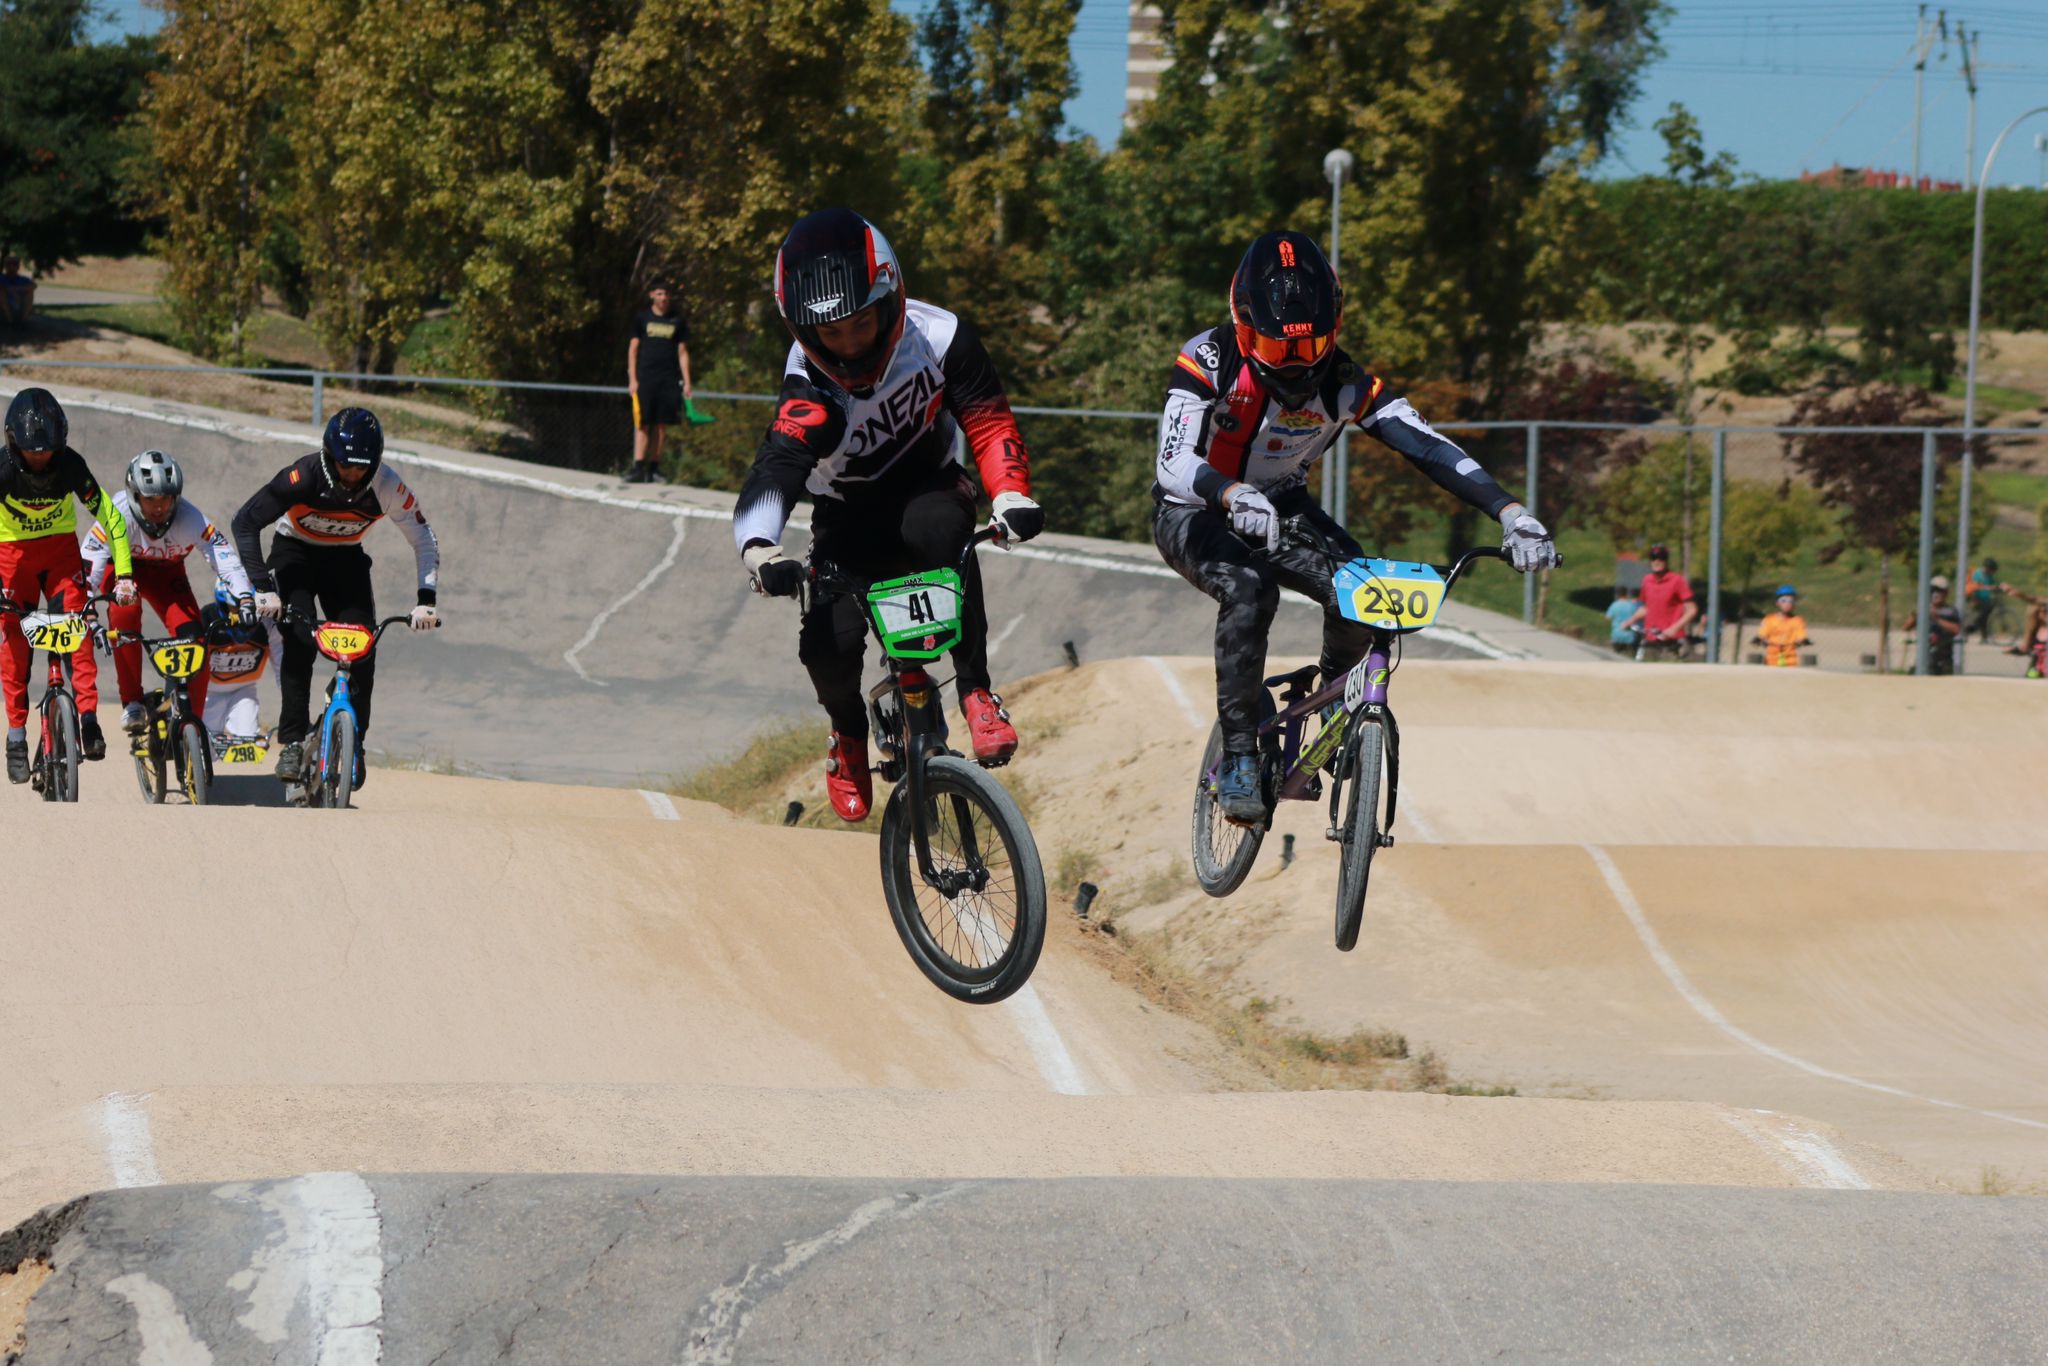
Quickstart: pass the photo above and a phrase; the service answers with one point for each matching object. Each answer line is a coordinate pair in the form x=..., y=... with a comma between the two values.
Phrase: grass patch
x=152, y=321
x=1992, y=399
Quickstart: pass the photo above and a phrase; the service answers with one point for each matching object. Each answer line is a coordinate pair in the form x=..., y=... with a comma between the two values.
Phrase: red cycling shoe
x=989, y=724
x=847, y=780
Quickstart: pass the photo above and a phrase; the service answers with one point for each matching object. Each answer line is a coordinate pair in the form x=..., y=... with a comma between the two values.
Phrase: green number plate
x=918, y=616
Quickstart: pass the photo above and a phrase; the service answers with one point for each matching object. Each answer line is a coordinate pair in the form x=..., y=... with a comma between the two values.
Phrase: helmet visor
x=1280, y=352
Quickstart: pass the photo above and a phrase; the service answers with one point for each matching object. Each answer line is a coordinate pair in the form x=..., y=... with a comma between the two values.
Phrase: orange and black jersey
x=830, y=443
x=1222, y=426
x=305, y=507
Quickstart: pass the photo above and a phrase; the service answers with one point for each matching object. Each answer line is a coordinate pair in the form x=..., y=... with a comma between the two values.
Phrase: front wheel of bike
x=1224, y=851
x=194, y=770
x=338, y=781
x=1362, y=828
x=149, y=764
x=980, y=944
x=62, y=754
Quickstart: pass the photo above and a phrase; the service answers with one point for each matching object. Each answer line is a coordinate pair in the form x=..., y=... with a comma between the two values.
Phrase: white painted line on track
x=131, y=1151
x=167, y=1337
x=1626, y=899
x=1175, y=690
x=662, y=566
x=327, y=1249
x=1817, y=1163
x=1048, y=1049
x=660, y=805
x=996, y=641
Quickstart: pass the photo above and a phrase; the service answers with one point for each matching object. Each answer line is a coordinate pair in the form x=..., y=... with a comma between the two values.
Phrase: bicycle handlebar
x=1299, y=532
x=830, y=575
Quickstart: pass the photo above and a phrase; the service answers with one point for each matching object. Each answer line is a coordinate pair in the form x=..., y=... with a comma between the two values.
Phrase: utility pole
x=1968, y=43
x=2041, y=146
x=1923, y=45
x=1337, y=167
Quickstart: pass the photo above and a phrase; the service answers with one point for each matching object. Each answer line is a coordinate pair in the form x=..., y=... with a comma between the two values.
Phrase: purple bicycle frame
x=1372, y=674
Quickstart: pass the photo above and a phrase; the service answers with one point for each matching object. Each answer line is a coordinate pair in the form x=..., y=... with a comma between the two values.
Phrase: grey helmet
x=154, y=475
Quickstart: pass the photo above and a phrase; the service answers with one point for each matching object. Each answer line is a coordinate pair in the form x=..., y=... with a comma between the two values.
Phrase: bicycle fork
x=924, y=729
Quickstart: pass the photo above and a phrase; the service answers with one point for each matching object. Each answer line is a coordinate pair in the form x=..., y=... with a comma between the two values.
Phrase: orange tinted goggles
x=1280, y=351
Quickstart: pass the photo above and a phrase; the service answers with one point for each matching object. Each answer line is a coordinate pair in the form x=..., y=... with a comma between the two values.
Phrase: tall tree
x=65, y=111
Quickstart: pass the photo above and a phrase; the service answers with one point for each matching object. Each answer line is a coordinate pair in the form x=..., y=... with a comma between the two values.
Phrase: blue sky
x=1785, y=86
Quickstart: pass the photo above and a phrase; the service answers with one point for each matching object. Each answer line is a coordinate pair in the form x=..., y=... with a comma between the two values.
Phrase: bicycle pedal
x=1000, y=761
x=1386, y=841
x=1333, y=835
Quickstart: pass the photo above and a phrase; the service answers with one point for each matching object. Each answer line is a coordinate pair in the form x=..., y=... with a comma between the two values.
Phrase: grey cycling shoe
x=1237, y=789
x=291, y=762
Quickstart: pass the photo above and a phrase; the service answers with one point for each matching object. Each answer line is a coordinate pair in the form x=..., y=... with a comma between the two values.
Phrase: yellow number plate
x=1392, y=595
x=343, y=642
x=58, y=635
x=250, y=753
x=178, y=661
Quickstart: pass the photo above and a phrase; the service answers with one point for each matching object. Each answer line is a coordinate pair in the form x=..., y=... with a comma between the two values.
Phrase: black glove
x=775, y=573
x=1021, y=518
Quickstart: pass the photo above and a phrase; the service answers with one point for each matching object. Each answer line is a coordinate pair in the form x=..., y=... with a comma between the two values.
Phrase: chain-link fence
x=1867, y=519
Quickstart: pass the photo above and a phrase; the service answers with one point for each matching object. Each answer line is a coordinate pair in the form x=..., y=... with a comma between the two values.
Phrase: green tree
x=214, y=158
x=65, y=111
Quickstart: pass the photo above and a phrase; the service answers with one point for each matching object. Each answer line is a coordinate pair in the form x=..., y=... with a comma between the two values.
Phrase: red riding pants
x=163, y=585
x=28, y=571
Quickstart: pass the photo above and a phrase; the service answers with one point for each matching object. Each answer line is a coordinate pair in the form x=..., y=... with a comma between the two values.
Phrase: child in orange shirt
x=1783, y=632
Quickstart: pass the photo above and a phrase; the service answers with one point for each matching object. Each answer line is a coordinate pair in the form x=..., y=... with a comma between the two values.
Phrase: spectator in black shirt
x=658, y=372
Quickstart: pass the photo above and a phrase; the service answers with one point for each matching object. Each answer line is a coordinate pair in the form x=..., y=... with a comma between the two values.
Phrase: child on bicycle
x=40, y=477
x=1783, y=631
x=243, y=649
x=164, y=527
x=1250, y=405
x=875, y=386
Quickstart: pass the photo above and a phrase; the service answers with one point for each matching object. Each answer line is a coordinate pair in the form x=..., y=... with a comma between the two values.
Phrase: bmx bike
x=331, y=779
x=53, y=771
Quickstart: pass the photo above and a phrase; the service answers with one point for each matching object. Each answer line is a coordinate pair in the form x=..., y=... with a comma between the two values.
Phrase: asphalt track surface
x=509, y=1003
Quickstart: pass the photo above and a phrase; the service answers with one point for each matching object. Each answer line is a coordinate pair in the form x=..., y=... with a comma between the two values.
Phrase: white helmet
x=154, y=475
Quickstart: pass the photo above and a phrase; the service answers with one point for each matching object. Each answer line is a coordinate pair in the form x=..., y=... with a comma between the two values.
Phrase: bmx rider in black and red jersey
x=1251, y=405
x=875, y=387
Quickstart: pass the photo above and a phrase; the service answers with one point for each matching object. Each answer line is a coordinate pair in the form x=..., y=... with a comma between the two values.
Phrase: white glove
x=269, y=606
x=1252, y=516
x=1526, y=540
x=775, y=574
x=1019, y=517
x=425, y=618
x=124, y=592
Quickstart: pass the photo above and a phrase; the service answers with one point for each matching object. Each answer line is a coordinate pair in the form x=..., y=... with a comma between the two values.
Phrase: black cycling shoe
x=1237, y=790
x=90, y=742
x=17, y=760
x=291, y=762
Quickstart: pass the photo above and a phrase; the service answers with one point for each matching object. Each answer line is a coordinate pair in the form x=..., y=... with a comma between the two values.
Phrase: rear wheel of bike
x=2003, y=623
x=1363, y=768
x=197, y=778
x=149, y=763
x=60, y=781
x=338, y=783
x=1224, y=851
x=980, y=944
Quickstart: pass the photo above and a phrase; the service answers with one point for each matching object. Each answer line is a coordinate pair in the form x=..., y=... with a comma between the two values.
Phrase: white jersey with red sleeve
x=190, y=530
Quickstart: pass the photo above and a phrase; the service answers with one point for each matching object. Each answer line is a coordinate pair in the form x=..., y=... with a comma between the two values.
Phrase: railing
x=594, y=436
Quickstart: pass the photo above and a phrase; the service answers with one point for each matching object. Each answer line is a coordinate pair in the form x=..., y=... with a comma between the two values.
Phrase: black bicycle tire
x=1363, y=765
x=1218, y=878
x=2004, y=623
x=950, y=775
x=198, y=778
x=149, y=766
x=70, y=753
x=341, y=768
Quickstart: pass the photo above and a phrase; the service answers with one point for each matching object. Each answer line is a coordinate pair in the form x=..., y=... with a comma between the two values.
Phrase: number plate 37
x=1392, y=595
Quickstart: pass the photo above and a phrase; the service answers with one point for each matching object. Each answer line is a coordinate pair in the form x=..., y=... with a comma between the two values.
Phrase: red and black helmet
x=833, y=264
x=1286, y=304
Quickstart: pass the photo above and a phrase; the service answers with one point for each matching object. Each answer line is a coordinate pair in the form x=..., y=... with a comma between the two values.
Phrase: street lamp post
x=1337, y=166
x=1970, y=382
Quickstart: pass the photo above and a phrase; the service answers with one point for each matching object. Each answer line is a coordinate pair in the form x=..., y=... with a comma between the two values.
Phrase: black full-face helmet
x=833, y=264
x=36, y=422
x=1286, y=303
x=354, y=440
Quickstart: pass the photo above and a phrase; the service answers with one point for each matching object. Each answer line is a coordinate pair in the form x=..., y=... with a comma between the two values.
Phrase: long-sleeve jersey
x=833, y=444
x=1221, y=426
x=33, y=505
x=190, y=530
x=304, y=506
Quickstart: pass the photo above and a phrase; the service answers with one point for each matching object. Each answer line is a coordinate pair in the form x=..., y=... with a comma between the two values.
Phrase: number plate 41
x=1392, y=595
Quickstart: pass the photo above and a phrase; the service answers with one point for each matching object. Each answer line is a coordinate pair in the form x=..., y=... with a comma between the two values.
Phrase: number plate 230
x=1393, y=595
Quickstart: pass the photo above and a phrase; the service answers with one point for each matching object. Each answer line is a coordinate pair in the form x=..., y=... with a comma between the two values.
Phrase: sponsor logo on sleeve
x=1209, y=354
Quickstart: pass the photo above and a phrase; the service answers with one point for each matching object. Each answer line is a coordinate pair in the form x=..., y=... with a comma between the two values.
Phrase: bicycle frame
x=913, y=734
x=57, y=679
x=338, y=700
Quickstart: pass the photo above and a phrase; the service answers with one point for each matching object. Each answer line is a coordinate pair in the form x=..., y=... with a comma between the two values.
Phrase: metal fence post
x=319, y=399
x=1529, y=462
x=1342, y=478
x=1923, y=594
x=1720, y=488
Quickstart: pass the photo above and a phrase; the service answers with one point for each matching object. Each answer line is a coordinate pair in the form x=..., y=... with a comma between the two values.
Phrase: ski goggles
x=1278, y=352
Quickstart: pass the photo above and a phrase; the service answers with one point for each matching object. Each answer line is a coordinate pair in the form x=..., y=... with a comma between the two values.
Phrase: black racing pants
x=324, y=583
x=879, y=539
x=1246, y=583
